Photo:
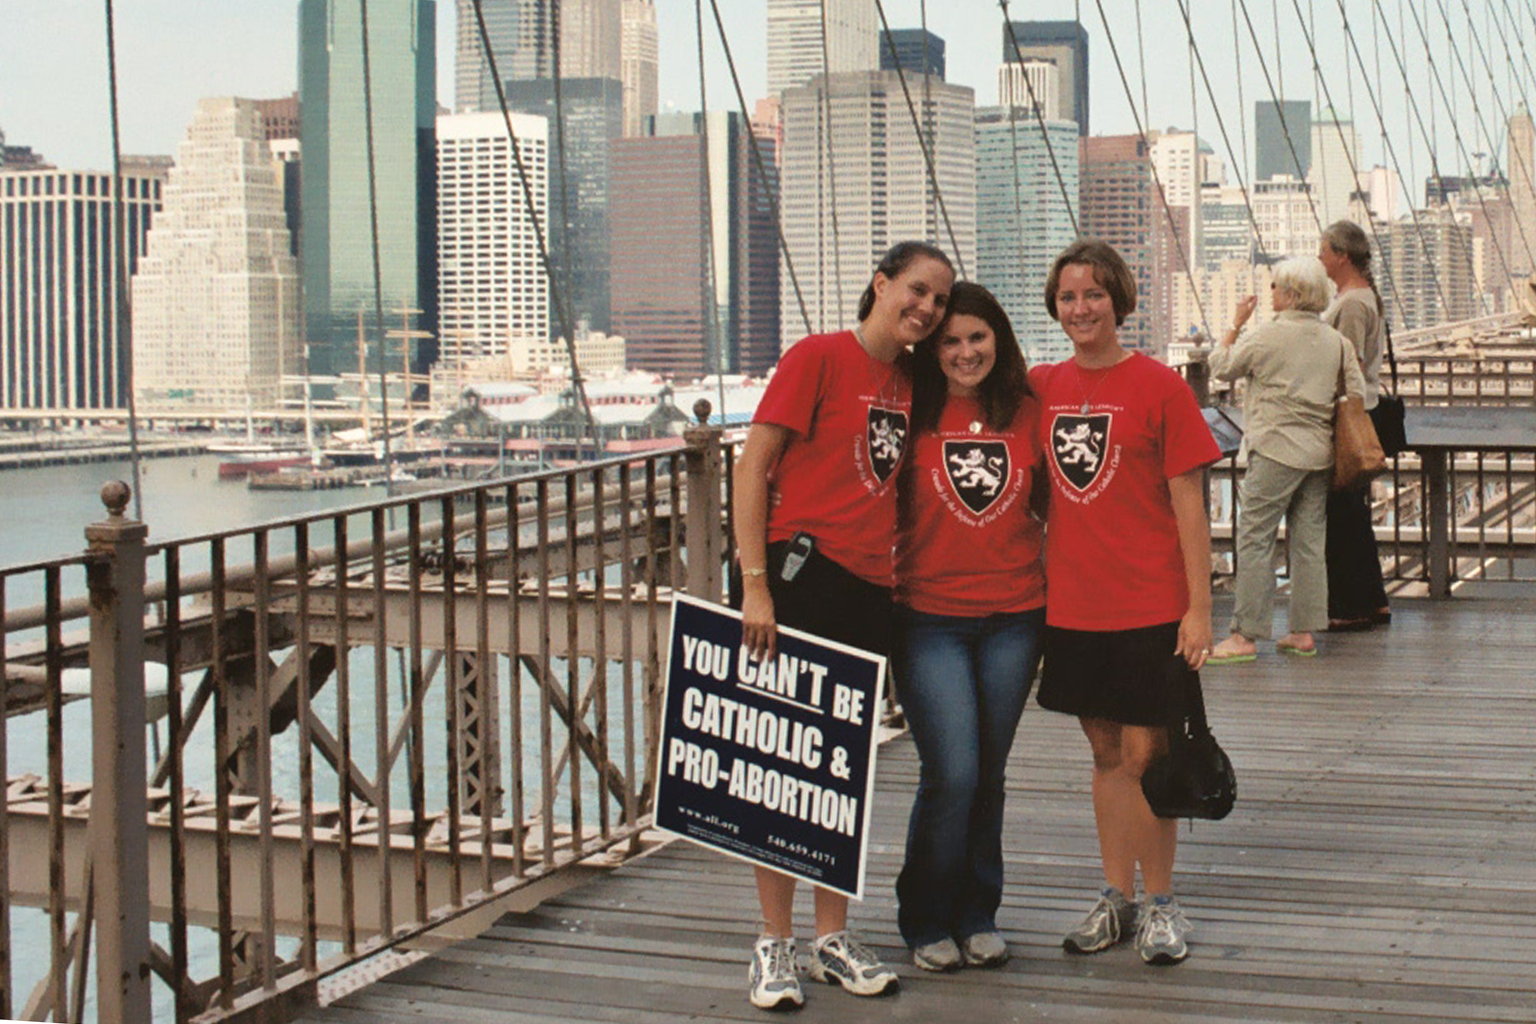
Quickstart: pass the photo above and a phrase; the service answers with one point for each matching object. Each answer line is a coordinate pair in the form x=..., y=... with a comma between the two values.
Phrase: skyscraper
x=796, y=35
x=216, y=297
x=639, y=64
x=836, y=227
x=338, y=246
x=1022, y=218
x=1521, y=168
x=1120, y=205
x=592, y=39
x=1335, y=156
x=578, y=191
x=60, y=347
x=520, y=42
x=716, y=207
x=1276, y=129
x=916, y=51
x=1433, y=288
x=1064, y=43
x=1032, y=83
x=493, y=292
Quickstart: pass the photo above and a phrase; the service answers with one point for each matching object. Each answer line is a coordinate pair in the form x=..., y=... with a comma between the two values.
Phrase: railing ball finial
x=115, y=494
x=701, y=410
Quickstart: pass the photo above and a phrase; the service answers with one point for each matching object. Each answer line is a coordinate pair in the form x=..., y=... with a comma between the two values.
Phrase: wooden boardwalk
x=1380, y=866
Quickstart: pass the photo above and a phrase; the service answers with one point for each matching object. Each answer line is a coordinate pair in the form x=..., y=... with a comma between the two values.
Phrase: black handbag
x=1388, y=416
x=1194, y=779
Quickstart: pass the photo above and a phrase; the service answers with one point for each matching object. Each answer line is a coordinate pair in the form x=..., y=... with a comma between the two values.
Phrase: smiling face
x=967, y=352
x=1084, y=308
x=909, y=305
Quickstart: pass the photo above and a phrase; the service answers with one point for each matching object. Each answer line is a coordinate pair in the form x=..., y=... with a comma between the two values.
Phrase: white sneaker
x=772, y=975
x=841, y=959
x=1163, y=937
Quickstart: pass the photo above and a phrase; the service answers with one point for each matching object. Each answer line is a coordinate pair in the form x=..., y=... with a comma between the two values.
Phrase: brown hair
x=1109, y=270
x=1001, y=392
x=896, y=259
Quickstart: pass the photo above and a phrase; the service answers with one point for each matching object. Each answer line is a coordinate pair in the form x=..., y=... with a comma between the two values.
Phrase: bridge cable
x=1226, y=138
x=378, y=280
x=121, y=312
x=1242, y=130
x=1429, y=260
x=1462, y=150
x=1285, y=128
x=824, y=110
x=710, y=285
x=770, y=183
x=1481, y=124
x=923, y=142
x=1505, y=116
x=1162, y=195
x=562, y=309
x=1034, y=102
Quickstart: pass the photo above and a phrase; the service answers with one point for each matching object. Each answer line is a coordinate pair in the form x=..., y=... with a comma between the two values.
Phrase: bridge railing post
x=119, y=842
x=705, y=537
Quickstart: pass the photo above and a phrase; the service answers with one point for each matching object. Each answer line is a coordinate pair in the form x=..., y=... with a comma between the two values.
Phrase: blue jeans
x=962, y=683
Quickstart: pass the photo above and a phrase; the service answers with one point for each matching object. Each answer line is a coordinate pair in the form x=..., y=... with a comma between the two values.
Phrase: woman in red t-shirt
x=1128, y=571
x=815, y=518
x=970, y=610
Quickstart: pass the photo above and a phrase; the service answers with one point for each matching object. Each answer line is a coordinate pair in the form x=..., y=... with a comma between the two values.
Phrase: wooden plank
x=1380, y=866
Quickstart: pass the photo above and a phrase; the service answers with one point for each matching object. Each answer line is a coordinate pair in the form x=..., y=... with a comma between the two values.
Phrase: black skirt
x=1121, y=676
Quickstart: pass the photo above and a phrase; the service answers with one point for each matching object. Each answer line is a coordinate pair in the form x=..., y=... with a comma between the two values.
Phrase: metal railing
x=374, y=720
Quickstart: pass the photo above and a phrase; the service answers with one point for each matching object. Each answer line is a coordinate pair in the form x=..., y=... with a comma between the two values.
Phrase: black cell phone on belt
x=800, y=547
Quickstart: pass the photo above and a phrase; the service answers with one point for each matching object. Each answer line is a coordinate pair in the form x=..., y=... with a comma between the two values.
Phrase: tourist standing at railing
x=815, y=520
x=1293, y=366
x=1357, y=597
x=970, y=593
x=1128, y=572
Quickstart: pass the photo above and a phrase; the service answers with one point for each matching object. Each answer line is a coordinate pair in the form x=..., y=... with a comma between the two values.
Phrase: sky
x=54, y=81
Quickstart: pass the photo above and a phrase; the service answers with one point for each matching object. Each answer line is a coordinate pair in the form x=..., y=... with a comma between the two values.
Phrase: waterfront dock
x=31, y=454
x=1380, y=866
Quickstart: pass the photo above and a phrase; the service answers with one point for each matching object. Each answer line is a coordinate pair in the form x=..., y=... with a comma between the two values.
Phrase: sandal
x=1296, y=651
x=1221, y=654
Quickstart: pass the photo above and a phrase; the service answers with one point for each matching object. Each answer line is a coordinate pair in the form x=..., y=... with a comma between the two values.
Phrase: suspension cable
x=824, y=110
x=378, y=283
x=562, y=311
x=1504, y=116
x=769, y=189
x=1035, y=105
x=714, y=341
x=923, y=143
x=1173, y=228
x=120, y=311
x=1285, y=128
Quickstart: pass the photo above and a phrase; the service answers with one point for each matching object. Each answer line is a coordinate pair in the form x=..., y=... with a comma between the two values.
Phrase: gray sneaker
x=1112, y=920
x=1163, y=937
x=942, y=955
x=841, y=959
x=985, y=949
x=772, y=975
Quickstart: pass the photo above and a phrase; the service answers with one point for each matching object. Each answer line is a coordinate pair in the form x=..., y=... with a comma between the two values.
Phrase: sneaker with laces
x=1163, y=937
x=985, y=949
x=774, y=985
x=841, y=959
x=1112, y=920
x=942, y=955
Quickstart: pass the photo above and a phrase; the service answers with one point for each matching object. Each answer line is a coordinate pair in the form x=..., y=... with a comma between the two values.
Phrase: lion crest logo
x=1077, y=446
x=977, y=471
x=887, y=437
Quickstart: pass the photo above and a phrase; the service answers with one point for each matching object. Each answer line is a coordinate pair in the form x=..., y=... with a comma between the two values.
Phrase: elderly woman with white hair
x=1293, y=365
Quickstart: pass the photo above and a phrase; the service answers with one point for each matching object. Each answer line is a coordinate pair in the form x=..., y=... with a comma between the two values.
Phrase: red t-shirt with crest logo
x=1112, y=552
x=837, y=477
x=966, y=543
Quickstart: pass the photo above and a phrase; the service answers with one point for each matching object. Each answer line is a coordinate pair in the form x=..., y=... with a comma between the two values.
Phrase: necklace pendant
x=975, y=426
x=1085, y=408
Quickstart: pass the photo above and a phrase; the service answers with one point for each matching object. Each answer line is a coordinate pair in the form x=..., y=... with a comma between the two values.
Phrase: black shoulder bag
x=1387, y=417
x=1194, y=779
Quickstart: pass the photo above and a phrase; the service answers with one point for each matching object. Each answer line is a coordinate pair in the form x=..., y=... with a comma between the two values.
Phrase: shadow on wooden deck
x=1380, y=866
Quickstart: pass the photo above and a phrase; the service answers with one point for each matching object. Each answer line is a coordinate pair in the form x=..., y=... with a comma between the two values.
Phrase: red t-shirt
x=1113, y=559
x=966, y=543
x=837, y=478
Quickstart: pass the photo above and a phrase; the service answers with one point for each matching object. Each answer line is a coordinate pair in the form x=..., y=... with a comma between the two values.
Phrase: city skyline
x=172, y=53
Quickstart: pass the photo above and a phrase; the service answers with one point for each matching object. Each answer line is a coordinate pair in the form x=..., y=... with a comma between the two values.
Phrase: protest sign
x=773, y=762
